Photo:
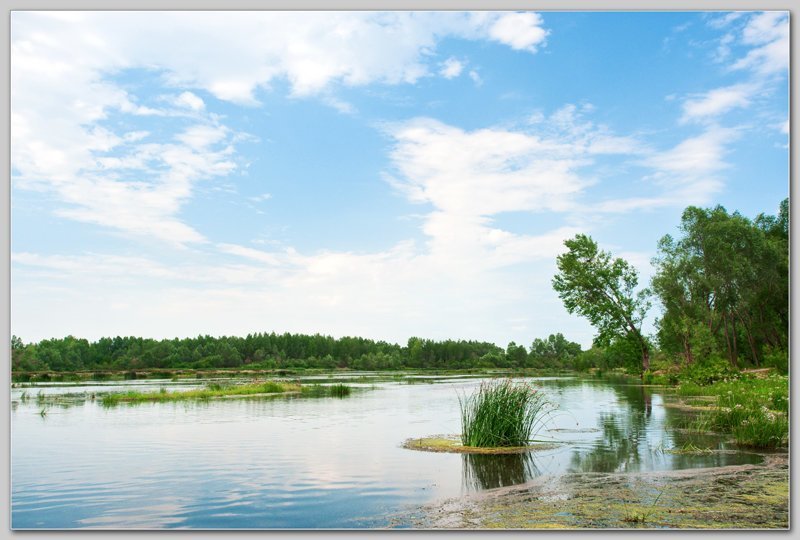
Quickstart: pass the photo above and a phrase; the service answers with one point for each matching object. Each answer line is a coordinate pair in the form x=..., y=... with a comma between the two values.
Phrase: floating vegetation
x=502, y=414
x=452, y=444
x=689, y=448
x=326, y=390
x=212, y=391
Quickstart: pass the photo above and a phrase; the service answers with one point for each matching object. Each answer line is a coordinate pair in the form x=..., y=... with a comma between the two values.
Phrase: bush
x=778, y=359
x=709, y=371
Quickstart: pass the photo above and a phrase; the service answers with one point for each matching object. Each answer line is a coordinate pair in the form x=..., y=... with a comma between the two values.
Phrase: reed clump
x=326, y=390
x=502, y=414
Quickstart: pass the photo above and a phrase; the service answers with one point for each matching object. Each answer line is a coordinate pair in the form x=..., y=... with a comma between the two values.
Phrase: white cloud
x=521, y=31
x=691, y=169
x=476, y=77
x=451, y=68
x=725, y=20
x=189, y=100
x=768, y=33
x=718, y=101
x=261, y=198
x=63, y=90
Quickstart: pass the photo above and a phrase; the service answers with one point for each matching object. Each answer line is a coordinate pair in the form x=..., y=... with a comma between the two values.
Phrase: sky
x=375, y=174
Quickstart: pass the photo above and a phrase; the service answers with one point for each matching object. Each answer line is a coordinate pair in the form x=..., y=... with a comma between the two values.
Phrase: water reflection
x=297, y=462
x=488, y=471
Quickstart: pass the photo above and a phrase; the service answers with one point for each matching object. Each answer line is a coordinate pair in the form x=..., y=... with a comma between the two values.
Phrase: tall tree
x=602, y=289
x=724, y=285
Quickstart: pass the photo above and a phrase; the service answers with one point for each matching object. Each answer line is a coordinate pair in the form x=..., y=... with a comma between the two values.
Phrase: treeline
x=283, y=351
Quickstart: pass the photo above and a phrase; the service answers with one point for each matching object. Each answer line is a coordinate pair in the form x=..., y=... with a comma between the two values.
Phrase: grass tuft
x=326, y=390
x=502, y=413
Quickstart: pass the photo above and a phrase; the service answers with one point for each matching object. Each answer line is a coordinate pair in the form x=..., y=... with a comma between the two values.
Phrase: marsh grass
x=689, y=448
x=211, y=391
x=502, y=413
x=754, y=411
x=326, y=390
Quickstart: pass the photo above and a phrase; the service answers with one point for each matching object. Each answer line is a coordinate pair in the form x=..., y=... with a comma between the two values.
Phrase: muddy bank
x=736, y=497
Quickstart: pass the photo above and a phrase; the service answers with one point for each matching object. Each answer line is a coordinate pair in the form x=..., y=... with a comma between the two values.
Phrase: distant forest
x=279, y=351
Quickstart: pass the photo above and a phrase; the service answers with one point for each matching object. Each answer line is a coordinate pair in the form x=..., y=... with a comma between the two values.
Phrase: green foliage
x=778, y=359
x=708, y=371
x=724, y=288
x=502, y=413
x=754, y=410
x=323, y=390
x=554, y=352
x=255, y=351
x=603, y=290
x=762, y=429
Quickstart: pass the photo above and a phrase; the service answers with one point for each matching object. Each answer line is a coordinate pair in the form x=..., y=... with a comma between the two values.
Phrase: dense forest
x=279, y=351
x=722, y=287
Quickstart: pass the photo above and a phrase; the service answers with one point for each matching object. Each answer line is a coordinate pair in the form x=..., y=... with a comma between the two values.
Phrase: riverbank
x=734, y=497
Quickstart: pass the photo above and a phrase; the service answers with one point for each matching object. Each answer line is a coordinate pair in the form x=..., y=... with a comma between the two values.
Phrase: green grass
x=322, y=390
x=502, y=413
x=689, y=448
x=211, y=391
x=754, y=411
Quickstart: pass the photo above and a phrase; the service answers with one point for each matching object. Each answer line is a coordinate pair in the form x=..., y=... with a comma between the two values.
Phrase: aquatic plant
x=340, y=390
x=754, y=411
x=762, y=429
x=212, y=391
x=321, y=390
x=502, y=413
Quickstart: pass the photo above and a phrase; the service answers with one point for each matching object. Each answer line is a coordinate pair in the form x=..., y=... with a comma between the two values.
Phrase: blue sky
x=378, y=174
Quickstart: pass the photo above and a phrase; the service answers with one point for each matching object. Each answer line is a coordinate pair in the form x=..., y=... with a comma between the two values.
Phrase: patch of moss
x=736, y=497
x=453, y=444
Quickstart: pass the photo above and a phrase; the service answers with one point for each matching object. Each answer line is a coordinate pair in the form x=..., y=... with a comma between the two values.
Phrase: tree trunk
x=645, y=358
x=688, y=351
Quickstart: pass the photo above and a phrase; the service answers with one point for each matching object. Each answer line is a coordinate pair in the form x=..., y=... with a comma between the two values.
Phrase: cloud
x=521, y=31
x=768, y=34
x=476, y=77
x=718, y=101
x=724, y=20
x=261, y=198
x=451, y=68
x=189, y=100
x=64, y=93
x=691, y=169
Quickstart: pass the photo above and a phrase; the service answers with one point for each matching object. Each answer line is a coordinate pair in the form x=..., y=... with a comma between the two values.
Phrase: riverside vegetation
x=216, y=390
x=502, y=414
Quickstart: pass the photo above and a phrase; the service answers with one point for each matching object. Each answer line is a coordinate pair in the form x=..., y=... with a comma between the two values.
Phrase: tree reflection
x=489, y=471
x=624, y=443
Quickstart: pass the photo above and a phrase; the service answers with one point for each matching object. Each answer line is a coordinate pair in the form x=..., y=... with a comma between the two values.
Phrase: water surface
x=298, y=462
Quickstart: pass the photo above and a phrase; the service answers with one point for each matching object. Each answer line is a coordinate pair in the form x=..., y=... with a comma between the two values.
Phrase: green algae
x=452, y=443
x=736, y=497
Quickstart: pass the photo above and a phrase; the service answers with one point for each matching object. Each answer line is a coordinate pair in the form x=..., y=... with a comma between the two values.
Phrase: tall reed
x=502, y=413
